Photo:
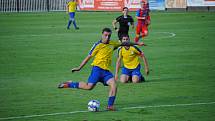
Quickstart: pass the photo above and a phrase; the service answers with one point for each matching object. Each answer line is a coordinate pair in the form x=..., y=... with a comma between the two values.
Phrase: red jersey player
x=143, y=20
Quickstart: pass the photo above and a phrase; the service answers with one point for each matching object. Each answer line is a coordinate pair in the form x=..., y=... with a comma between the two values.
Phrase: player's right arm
x=114, y=25
x=82, y=64
x=92, y=53
x=118, y=63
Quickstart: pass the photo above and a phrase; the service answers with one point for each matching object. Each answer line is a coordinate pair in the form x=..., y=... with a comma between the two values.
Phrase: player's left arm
x=82, y=64
x=132, y=23
x=67, y=8
x=145, y=63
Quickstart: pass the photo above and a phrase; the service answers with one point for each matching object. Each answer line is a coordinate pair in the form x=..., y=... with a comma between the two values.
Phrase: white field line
x=168, y=34
x=126, y=108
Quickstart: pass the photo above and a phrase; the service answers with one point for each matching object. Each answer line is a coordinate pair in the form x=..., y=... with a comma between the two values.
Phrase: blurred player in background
x=131, y=64
x=124, y=21
x=143, y=20
x=102, y=52
x=72, y=5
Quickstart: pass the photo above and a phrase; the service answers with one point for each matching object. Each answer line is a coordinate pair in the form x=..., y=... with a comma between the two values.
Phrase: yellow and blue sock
x=73, y=85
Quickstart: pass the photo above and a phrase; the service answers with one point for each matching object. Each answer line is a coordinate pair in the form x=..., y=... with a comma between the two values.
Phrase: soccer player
x=102, y=52
x=143, y=20
x=71, y=8
x=131, y=64
x=124, y=21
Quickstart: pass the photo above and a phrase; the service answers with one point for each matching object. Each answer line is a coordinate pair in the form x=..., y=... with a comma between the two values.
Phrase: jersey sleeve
x=94, y=49
x=119, y=52
x=138, y=51
x=118, y=18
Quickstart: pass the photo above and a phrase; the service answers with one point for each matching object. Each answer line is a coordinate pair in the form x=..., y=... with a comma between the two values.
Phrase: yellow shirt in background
x=72, y=6
x=130, y=57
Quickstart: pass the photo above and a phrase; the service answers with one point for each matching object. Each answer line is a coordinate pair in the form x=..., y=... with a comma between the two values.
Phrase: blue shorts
x=99, y=75
x=72, y=15
x=132, y=72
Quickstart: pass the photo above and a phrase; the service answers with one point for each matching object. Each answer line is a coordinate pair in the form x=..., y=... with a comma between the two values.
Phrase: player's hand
x=146, y=71
x=117, y=30
x=75, y=69
x=141, y=44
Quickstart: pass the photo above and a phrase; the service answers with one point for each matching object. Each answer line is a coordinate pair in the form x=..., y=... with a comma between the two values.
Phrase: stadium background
x=104, y=5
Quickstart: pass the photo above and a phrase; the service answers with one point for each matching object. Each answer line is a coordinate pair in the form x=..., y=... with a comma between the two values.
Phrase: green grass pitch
x=37, y=53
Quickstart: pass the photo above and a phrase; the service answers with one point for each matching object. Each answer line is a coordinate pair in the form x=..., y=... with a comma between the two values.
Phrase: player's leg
x=92, y=80
x=78, y=85
x=112, y=93
x=135, y=79
x=124, y=78
x=136, y=74
x=138, y=29
x=125, y=75
x=74, y=22
x=144, y=31
x=108, y=79
x=71, y=16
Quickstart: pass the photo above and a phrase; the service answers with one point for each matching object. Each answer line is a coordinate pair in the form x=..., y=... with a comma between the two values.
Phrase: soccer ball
x=93, y=105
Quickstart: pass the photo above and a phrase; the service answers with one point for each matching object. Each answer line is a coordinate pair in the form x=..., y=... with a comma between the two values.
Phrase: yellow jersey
x=130, y=57
x=71, y=6
x=102, y=54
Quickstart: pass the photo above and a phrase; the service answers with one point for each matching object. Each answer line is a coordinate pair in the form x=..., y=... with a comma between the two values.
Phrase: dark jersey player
x=124, y=21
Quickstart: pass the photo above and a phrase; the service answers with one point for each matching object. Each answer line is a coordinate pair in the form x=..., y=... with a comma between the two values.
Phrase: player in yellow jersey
x=131, y=64
x=71, y=8
x=102, y=52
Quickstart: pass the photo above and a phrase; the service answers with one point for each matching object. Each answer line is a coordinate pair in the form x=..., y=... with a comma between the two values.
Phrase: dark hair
x=123, y=35
x=124, y=8
x=106, y=30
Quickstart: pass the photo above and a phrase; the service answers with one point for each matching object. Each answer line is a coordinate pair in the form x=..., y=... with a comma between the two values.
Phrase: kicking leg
x=78, y=85
x=112, y=93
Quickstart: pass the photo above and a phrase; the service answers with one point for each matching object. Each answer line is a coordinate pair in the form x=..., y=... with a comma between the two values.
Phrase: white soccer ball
x=93, y=105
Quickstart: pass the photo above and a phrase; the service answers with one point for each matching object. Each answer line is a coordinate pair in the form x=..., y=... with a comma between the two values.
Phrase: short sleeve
x=137, y=50
x=94, y=49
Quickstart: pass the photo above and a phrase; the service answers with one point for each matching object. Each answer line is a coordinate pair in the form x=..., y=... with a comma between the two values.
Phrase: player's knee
x=123, y=79
x=145, y=33
x=135, y=79
x=72, y=19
